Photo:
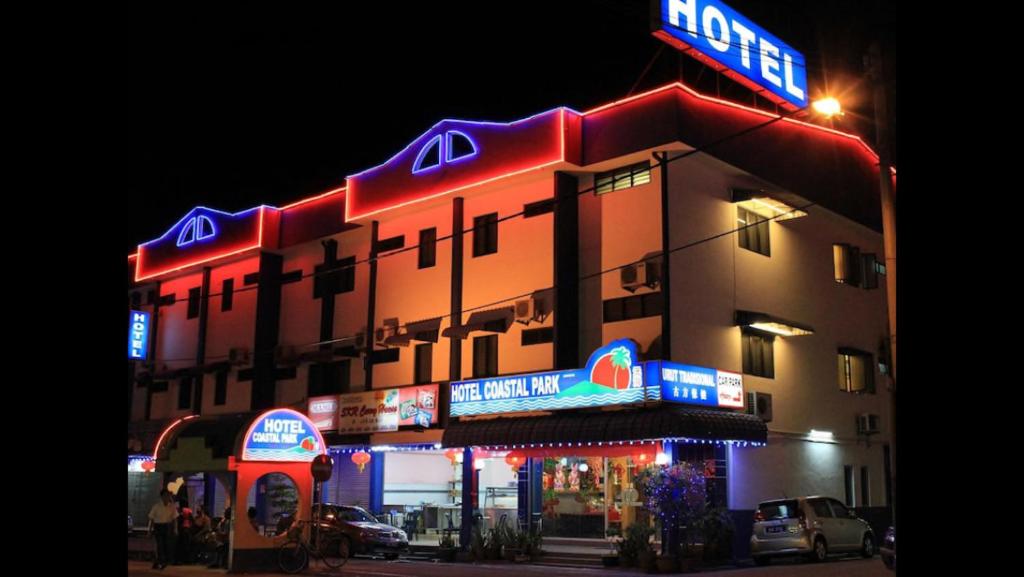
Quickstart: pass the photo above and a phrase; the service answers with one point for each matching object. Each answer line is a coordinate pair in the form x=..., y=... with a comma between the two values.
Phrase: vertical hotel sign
x=138, y=335
x=730, y=43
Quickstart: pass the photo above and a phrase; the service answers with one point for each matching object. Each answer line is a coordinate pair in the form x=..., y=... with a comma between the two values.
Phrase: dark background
x=235, y=109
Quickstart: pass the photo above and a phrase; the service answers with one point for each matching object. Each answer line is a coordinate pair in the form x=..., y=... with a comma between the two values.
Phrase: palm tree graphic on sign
x=612, y=369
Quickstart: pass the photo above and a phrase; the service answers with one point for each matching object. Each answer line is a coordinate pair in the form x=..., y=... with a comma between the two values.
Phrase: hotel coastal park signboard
x=282, y=435
x=613, y=376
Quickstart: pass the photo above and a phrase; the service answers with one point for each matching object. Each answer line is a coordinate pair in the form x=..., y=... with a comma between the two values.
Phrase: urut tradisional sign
x=613, y=376
x=387, y=409
x=282, y=435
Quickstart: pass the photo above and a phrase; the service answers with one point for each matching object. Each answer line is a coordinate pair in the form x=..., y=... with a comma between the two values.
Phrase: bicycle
x=327, y=545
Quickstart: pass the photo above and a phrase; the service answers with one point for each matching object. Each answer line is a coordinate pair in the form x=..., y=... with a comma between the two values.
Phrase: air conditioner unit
x=525, y=311
x=867, y=424
x=238, y=356
x=389, y=329
x=285, y=354
x=633, y=276
x=760, y=404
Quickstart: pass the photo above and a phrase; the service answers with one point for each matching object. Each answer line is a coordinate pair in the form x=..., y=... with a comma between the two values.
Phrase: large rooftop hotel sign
x=730, y=43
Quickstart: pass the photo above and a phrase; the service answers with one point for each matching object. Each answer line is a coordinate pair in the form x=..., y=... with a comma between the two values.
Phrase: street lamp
x=827, y=107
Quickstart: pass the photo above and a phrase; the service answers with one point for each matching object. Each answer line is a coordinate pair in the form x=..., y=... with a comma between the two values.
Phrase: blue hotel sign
x=719, y=36
x=138, y=335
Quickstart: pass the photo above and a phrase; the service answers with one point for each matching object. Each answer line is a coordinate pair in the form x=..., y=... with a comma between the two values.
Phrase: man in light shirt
x=162, y=525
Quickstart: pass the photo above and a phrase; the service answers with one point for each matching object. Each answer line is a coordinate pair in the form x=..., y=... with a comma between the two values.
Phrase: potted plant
x=611, y=559
x=477, y=544
x=717, y=530
x=492, y=545
x=446, y=547
x=636, y=547
x=677, y=495
x=534, y=541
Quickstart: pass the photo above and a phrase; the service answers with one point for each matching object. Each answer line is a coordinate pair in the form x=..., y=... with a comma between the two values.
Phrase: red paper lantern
x=361, y=458
x=643, y=458
x=453, y=455
x=515, y=459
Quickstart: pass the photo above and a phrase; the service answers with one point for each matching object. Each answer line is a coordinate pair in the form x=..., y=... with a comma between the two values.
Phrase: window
x=821, y=509
x=485, y=356
x=847, y=264
x=870, y=271
x=227, y=294
x=185, y=393
x=753, y=231
x=428, y=248
x=429, y=157
x=193, y=302
x=389, y=244
x=220, y=390
x=622, y=178
x=758, y=354
x=538, y=336
x=856, y=371
x=423, y=370
x=159, y=387
x=382, y=356
x=538, y=208
x=634, y=307
x=329, y=378
x=458, y=145
x=334, y=278
x=485, y=234
x=865, y=493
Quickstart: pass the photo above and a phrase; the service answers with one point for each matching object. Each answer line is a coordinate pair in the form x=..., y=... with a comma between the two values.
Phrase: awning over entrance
x=626, y=425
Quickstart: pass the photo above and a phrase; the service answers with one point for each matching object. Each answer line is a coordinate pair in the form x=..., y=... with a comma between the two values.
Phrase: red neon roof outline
x=764, y=113
x=561, y=110
x=156, y=449
x=313, y=198
x=305, y=418
x=245, y=246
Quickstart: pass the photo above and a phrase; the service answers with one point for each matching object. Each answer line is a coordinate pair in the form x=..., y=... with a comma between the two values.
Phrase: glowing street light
x=827, y=107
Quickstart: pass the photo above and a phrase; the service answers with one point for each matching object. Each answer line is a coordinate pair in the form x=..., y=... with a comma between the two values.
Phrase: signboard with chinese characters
x=613, y=376
x=695, y=385
x=727, y=41
x=387, y=409
x=138, y=335
x=282, y=435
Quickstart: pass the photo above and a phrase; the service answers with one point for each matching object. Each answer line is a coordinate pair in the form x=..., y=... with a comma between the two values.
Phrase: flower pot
x=687, y=565
x=610, y=560
x=668, y=564
x=447, y=555
x=647, y=561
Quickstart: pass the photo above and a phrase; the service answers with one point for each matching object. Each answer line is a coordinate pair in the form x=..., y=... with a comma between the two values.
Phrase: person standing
x=162, y=526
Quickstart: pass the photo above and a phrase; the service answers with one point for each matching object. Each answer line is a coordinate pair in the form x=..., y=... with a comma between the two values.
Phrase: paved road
x=371, y=568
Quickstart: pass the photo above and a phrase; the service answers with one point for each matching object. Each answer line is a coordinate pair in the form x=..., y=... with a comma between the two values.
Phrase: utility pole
x=876, y=73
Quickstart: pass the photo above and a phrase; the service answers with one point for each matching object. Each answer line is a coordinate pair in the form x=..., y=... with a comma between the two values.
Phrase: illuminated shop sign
x=138, y=335
x=387, y=409
x=613, y=376
x=695, y=385
x=282, y=435
x=727, y=41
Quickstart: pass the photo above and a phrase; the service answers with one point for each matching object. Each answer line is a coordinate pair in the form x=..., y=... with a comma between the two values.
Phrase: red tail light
x=759, y=516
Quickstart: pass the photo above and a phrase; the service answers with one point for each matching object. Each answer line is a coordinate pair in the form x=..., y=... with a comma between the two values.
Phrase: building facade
x=486, y=251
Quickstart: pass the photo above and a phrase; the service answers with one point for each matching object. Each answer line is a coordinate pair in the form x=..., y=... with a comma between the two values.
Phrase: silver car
x=810, y=526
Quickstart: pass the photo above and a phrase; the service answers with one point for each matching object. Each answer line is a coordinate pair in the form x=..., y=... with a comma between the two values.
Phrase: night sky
x=232, y=110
